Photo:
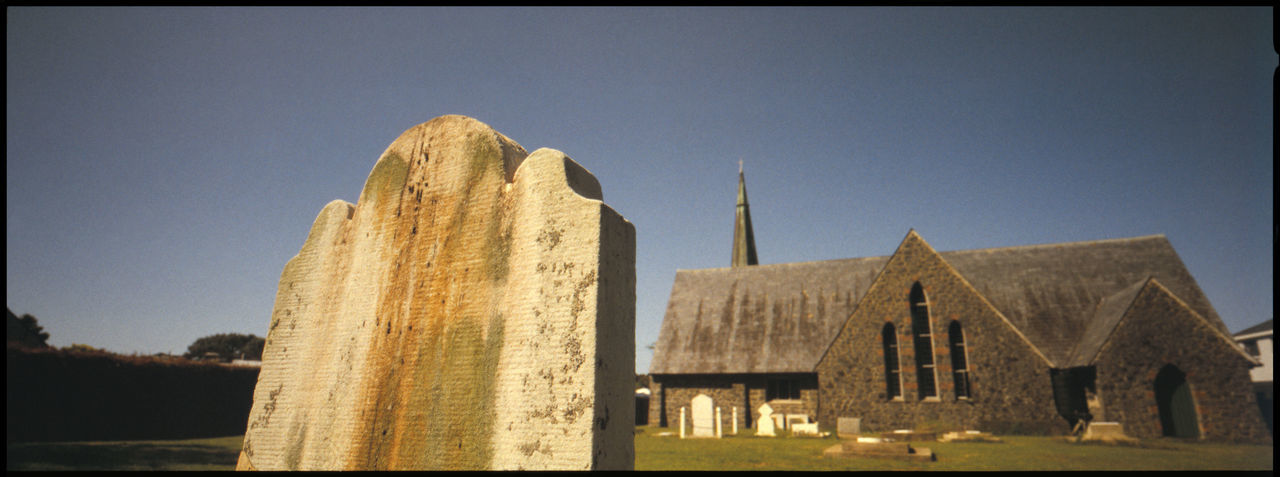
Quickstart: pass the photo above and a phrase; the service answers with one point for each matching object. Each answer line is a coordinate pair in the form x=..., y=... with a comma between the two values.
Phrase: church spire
x=744, y=241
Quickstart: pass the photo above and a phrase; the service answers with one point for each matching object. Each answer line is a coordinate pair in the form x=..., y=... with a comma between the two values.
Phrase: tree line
x=25, y=331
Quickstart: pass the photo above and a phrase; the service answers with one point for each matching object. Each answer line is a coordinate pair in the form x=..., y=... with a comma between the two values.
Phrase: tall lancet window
x=892, y=374
x=959, y=360
x=923, y=338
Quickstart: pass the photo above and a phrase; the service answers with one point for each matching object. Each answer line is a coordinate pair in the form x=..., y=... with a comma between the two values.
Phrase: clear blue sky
x=164, y=164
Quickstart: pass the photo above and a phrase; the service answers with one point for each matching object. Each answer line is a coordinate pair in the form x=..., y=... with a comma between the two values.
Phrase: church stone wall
x=1010, y=381
x=1159, y=330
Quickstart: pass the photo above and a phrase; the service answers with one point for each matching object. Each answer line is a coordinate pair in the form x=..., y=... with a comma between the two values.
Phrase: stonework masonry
x=1010, y=380
x=1160, y=330
x=745, y=391
x=474, y=310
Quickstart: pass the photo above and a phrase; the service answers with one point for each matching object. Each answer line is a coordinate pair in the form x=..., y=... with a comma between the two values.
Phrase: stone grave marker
x=848, y=426
x=764, y=425
x=703, y=411
x=1107, y=432
x=475, y=309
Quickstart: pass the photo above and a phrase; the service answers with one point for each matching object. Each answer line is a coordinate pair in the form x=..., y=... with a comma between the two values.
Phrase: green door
x=1173, y=399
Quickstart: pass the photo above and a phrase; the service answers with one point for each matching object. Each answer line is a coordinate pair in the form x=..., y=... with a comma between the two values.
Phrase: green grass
x=218, y=453
x=745, y=452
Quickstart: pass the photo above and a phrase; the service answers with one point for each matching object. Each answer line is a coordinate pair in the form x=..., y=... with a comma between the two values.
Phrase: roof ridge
x=1059, y=244
x=781, y=265
x=990, y=249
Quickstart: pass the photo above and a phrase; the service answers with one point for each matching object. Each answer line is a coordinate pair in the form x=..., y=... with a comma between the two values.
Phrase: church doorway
x=1175, y=404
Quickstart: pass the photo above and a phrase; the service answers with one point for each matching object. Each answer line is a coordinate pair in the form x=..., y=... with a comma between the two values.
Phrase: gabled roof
x=758, y=319
x=1104, y=321
x=1258, y=328
x=1061, y=297
x=1050, y=292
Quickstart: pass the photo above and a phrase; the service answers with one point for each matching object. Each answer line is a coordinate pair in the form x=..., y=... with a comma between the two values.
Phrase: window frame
x=892, y=369
x=960, y=373
x=926, y=370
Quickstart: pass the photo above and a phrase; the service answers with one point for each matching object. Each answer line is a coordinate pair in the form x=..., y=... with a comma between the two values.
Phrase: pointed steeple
x=744, y=241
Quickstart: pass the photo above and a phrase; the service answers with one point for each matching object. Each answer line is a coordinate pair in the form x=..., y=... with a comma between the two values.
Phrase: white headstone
x=703, y=416
x=719, y=433
x=764, y=425
x=681, y=422
x=735, y=420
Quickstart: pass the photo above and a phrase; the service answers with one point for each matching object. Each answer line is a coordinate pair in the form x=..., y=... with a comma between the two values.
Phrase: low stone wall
x=54, y=395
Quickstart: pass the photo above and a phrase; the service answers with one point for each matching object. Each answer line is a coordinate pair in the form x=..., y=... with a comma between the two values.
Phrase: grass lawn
x=746, y=452
x=743, y=452
x=218, y=453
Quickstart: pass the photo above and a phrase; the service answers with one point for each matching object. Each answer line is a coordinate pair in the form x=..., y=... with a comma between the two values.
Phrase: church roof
x=759, y=319
x=781, y=318
x=1258, y=328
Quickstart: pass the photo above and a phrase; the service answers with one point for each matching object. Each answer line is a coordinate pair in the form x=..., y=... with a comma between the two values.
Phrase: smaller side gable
x=1104, y=320
x=1108, y=320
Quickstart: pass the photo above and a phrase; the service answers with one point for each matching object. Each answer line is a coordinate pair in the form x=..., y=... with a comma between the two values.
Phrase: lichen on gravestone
x=420, y=328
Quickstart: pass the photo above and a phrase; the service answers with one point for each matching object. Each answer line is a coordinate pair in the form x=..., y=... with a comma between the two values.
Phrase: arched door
x=1176, y=407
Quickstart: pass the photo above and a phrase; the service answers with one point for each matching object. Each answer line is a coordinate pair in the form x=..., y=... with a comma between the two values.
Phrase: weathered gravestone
x=474, y=310
x=703, y=416
x=764, y=424
x=848, y=427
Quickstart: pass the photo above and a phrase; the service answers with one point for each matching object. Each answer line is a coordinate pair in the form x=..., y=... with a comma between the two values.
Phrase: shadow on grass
x=205, y=454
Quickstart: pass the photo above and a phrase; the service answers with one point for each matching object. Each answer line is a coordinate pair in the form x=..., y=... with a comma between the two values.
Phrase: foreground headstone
x=474, y=310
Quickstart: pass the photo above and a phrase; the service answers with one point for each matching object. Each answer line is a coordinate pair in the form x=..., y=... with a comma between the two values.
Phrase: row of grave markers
x=706, y=420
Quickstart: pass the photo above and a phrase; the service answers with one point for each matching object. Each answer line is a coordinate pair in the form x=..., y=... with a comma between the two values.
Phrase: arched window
x=923, y=340
x=892, y=376
x=959, y=360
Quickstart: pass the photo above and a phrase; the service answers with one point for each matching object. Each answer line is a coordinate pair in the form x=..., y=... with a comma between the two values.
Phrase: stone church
x=1029, y=339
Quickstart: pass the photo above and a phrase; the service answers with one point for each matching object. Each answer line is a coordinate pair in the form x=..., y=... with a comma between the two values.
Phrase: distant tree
x=227, y=346
x=81, y=348
x=24, y=331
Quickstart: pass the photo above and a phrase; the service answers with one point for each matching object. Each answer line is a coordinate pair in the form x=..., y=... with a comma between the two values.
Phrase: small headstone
x=968, y=436
x=848, y=426
x=735, y=420
x=793, y=419
x=703, y=411
x=718, y=430
x=764, y=425
x=682, y=423
x=804, y=429
x=907, y=435
x=889, y=450
x=1108, y=432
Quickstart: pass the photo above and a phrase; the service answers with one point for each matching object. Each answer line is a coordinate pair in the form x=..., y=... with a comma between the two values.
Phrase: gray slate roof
x=1264, y=326
x=1064, y=298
